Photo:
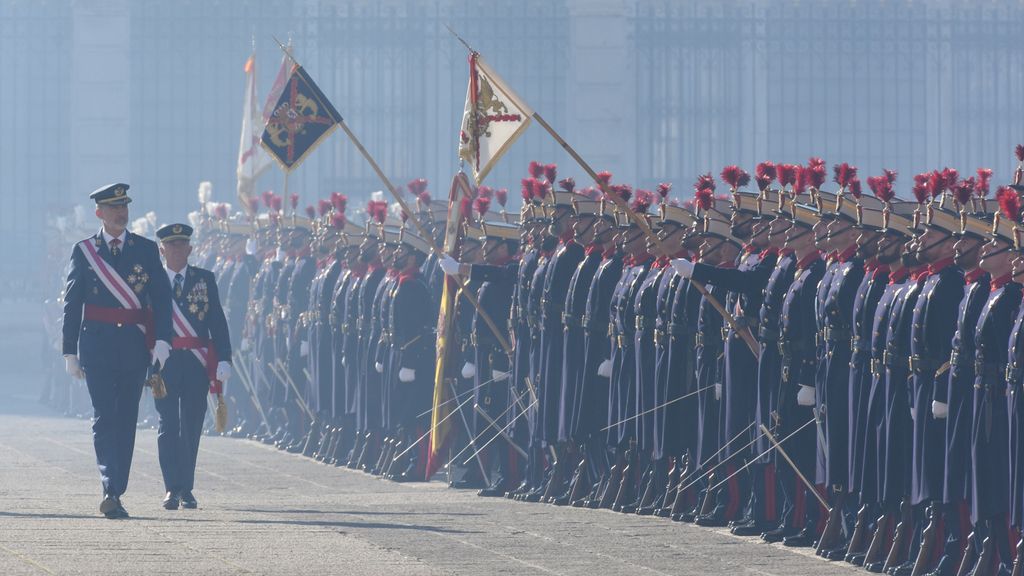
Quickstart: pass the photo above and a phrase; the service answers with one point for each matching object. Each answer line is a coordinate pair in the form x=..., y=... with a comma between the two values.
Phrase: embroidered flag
x=252, y=159
x=494, y=117
x=302, y=118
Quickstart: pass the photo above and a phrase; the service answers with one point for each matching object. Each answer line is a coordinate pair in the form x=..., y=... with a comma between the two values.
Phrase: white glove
x=406, y=375
x=161, y=351
x=378, y=367
x=605, y=369
x=805, y=396
x=498, y=375
x=245, y=344
x=683, y=267
x=913, y=413
x=343, y=364
x=449, y=265
x=280, y=255
x=73, y=367
x=250, y=246
x=304, y=348
x=718, y=390
x=468, y=370
x=940, y=409
x=223, y=371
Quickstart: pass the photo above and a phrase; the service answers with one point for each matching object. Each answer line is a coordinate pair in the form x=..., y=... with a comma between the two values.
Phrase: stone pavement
x=267, y=512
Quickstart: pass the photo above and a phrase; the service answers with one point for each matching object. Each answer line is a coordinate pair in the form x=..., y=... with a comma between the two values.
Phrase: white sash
x=110, y=279
x=183, y=328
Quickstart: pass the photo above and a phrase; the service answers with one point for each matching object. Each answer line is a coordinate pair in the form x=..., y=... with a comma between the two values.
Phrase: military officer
x=200, y=363
x=115, y=283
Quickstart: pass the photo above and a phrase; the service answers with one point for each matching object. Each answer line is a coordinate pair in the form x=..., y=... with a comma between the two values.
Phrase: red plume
x=922, y=184
x=323, y=206
x=417, y=186
x=604, y=178
x=310, y=211
x=482, y=204
x=854, y=187
x=340, y=202
x=813, y=174
x=378, y=210
x=981, y=185
x=294, y=200
x=424, y=198
x=890, y=175
x=501, y=195
x=665, y=187
x=705, y=198
x=267, y=196
x=536, y=169
x=705, y=182
x=844, y=174
x=735, y=177
x=527, y=191
x=337, y=220
x=1009, y=202
x=466, y=208
x=962, y=191
x=882, y=187
x=485, y=192
x=551, y=172
x=221, y=211
x=1019, y=151
x=786, y=174
x=802, y=175
x=591, y=192
x=814, y=161
x=950, y=177
x=624, y=191
x=276, y=203
x=765, y=172
x=643, y=201
x=567, y=184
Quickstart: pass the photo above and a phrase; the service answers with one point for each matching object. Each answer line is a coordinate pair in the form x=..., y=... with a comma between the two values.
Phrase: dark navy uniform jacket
x=622, y=320
x=590, y=412
x=769, y=364
x=109, y=346
x=560, y=272
x=200, y=304
x=573, y=339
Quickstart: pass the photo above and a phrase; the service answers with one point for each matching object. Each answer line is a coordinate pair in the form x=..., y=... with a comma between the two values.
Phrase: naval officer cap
x=172, y=232
x=111, y=195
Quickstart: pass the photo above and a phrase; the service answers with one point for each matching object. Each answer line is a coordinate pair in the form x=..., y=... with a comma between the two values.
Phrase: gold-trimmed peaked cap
x=111, y=195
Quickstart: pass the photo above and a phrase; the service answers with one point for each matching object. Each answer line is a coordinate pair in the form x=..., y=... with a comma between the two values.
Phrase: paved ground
x=267, y=512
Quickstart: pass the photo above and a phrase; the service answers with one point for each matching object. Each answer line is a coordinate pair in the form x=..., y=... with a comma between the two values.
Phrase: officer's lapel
x=124, y=260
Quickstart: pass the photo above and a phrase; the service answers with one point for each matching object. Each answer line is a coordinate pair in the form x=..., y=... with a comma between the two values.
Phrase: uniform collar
x=920, y=274
x=847, y=253
x=973, y=276
x=405, y=275
x=879, y=271
x=940, y=265
x=898, y=275
x=107, y=238
x=171, y=273
x=806, y=261
x=998, y=283
x=770, y=251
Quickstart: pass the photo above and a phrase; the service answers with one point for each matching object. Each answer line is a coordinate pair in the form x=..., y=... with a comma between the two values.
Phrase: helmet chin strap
x=998, y=252
x=587, y=229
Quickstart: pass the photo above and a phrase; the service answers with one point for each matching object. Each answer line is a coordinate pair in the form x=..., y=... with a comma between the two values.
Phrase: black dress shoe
x=748, y=529
x=171, y=501
x=945, y=567
x=471, y=484
x=905, y=569
x=491, y=492
x=857, y=558
x=837, y=553
x=109, y=507
x=188, y=500
x=713, y=520
x=778, y=535
x=803, y=539
x=875, y=567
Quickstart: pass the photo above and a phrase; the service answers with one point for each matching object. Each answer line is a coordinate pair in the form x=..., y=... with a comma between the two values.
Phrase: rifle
x=898, y=552
x=876, y=550
x=986, y=558
x=857, y=539
x=1018, y=561
x=928, y=537
x=831, y=536
x=970, y=555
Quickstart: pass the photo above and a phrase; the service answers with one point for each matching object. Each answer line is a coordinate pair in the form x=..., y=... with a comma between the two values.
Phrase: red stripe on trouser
x=732, y=493
x=770, y=510
x=964, y=514
x=799, y=504
x=819, y=528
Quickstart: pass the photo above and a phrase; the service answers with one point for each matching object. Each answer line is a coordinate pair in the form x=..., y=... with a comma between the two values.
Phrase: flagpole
x=427, y=237
x=624, y=207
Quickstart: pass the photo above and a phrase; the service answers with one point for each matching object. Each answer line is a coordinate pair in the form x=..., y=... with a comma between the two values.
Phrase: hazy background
x=150, y=92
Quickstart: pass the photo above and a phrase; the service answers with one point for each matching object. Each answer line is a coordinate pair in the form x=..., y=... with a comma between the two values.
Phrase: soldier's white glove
x=378, y=367
x=805, y=396
x=683, y=267
x=73, y=368
x=280, y=255
x=304, y=348
x=250, y=246
x=449, y=265
x=343, y=364
x=406, y=375
x=161, y=352
x=223, y=371
x=498, y=375
x=913, y=413
x=468, y=370
x=718, y=390
x=604, y=370
x=940, y=409
x=245, y=345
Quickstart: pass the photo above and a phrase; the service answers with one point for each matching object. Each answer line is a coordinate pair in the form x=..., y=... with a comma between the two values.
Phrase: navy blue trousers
x=182, y=413
x=115, y=396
